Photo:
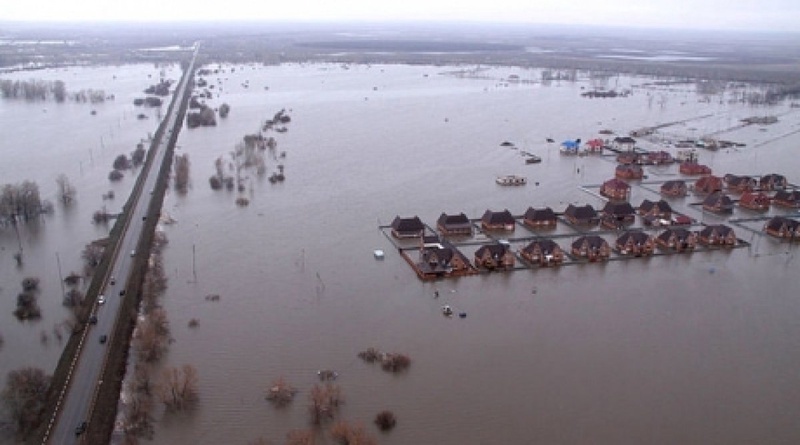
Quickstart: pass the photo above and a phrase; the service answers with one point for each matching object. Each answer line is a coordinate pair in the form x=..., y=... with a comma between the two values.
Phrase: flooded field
x=699, y=348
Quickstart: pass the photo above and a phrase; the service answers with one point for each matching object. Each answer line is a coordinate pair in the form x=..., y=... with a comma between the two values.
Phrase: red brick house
x=498, y=221
x=591, y=247
x=786, y=198
x=658, y=158
x=717, y=235
x=785, y=228
x=543, y=253
x=441, y=260
x=494, y=256
x=655, y=209
x=677, y=239
x=754, y=201
x=407, y=227
x=708, y=184
x=675, y=188
x=454, y=224
x=617, y=214
x=540, y=218
x=628, y=171
x=636, y=243
x=693, y=168
x=616, y=189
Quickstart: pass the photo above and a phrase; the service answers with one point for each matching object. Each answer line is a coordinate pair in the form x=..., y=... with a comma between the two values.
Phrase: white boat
x=447, y=311
x=511, y=180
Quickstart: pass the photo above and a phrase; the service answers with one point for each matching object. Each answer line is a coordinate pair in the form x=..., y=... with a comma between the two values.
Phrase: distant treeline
x=35, y=89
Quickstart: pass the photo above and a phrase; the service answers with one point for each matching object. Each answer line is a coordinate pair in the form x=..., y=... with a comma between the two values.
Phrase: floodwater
x=700, y=348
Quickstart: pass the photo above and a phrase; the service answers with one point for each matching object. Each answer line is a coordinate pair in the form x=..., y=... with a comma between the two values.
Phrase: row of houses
x=612, y=215
x=439, y=258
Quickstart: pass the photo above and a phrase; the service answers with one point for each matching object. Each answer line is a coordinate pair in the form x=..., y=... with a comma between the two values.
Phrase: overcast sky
x=756, y=15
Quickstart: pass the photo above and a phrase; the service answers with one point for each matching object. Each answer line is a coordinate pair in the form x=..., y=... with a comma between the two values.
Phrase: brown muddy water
x=700, y=348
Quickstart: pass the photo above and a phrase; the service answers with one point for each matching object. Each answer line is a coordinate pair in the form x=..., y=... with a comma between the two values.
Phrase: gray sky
x=761, y=15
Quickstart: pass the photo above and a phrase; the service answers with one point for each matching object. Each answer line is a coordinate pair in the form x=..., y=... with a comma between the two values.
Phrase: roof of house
x=581, y=212
x=546, y=246
x=496, y=250
x=413, y=224
x=679, y=233
x=624, y=140
x=675, y=183
x=718, y=198
x=504, y=217
x=638, y=237
x=661, y=205
x=545, y=214
x=778, y=222
x=754, y=197
x=773, y=178
x=719, y=229
x=735, y=180
x=593, y=241
x=787, y=195
x=618, y=208
x=617, y=184
x=453, y=220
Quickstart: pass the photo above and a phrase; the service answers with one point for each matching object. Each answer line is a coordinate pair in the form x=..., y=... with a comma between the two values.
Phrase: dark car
x=93, y=319
x=122, y=293
x=103, y=338
x=80, y=429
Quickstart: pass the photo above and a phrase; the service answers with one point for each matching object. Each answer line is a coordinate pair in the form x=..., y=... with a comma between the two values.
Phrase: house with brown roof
x=708, y=184
x=584, y=215
x=628, y=158
x=773, y=181
x=677, y=239
x=540, y=218
x=624, y=143
x=498, y=221
x=758, y=201
x=442, y=260
x=717, y=235
x=616, y=189
x=617, y=214
x=628, y=171
x=591, y=247
x=782, y=227
x=787, y=198
x=675, y=188
x=494, y=256
x=543, y=252
x=450, y=225
x=636, y=243
x=739, y=184
x=693, y=168
x=718, y=202
x=407, y=227
x=658, y=158
x=655, y=209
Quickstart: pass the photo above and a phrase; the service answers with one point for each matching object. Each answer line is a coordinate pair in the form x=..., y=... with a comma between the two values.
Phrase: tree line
x=36, y=89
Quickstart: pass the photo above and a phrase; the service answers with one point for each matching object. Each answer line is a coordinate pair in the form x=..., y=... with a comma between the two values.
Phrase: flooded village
x=331, y=207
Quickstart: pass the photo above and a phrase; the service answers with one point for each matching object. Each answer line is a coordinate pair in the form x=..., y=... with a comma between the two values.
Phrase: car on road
x=101, y=299
x=93, y=319
x=133, y=253
x=80, y=429
x=103, y=339
x=112, y=281
x=122, y=293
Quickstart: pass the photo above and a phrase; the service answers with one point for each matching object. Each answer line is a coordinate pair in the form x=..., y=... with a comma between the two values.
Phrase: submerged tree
x=65, y=189
x=179, y=391
x=25, y=399
x=182, y=172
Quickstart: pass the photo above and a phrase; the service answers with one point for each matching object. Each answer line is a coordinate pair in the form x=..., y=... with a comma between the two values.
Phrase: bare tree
x=182, y=172
x=25, y=399
x=300, y=437
x=280, y=392
x=324, y=401
x=345, y=433
x=179, y=390
x=92, y=254
x=65, y=189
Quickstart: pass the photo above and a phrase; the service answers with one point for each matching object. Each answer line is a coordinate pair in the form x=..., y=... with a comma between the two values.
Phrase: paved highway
x=77, y=400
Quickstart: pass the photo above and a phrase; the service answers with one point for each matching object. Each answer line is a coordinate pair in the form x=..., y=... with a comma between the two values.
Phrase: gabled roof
x=718, y=199
x=720, y=229
x=624, y=140
x=779, y=222
x=581, y=212
x=593, y=241
x=675, y=183
x=413, y=224
x=618, y=208
x=617, y=184
x=546, y=246
x=661, y=205
x=545, y=214
x=504, y=217
x=679, y=233
x=496, y=251
x=773, y=179
x=787, y=195
x=446, y=219
x=636, y=236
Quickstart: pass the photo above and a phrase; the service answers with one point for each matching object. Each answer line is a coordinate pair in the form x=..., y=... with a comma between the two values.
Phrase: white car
x=101, y=300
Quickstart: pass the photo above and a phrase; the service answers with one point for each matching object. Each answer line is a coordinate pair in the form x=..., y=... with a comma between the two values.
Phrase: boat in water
x=533, y=159
x=511, y=180
x=447, y=311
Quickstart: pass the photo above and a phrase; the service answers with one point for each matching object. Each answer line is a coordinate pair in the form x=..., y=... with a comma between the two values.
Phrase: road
x=77, y=400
